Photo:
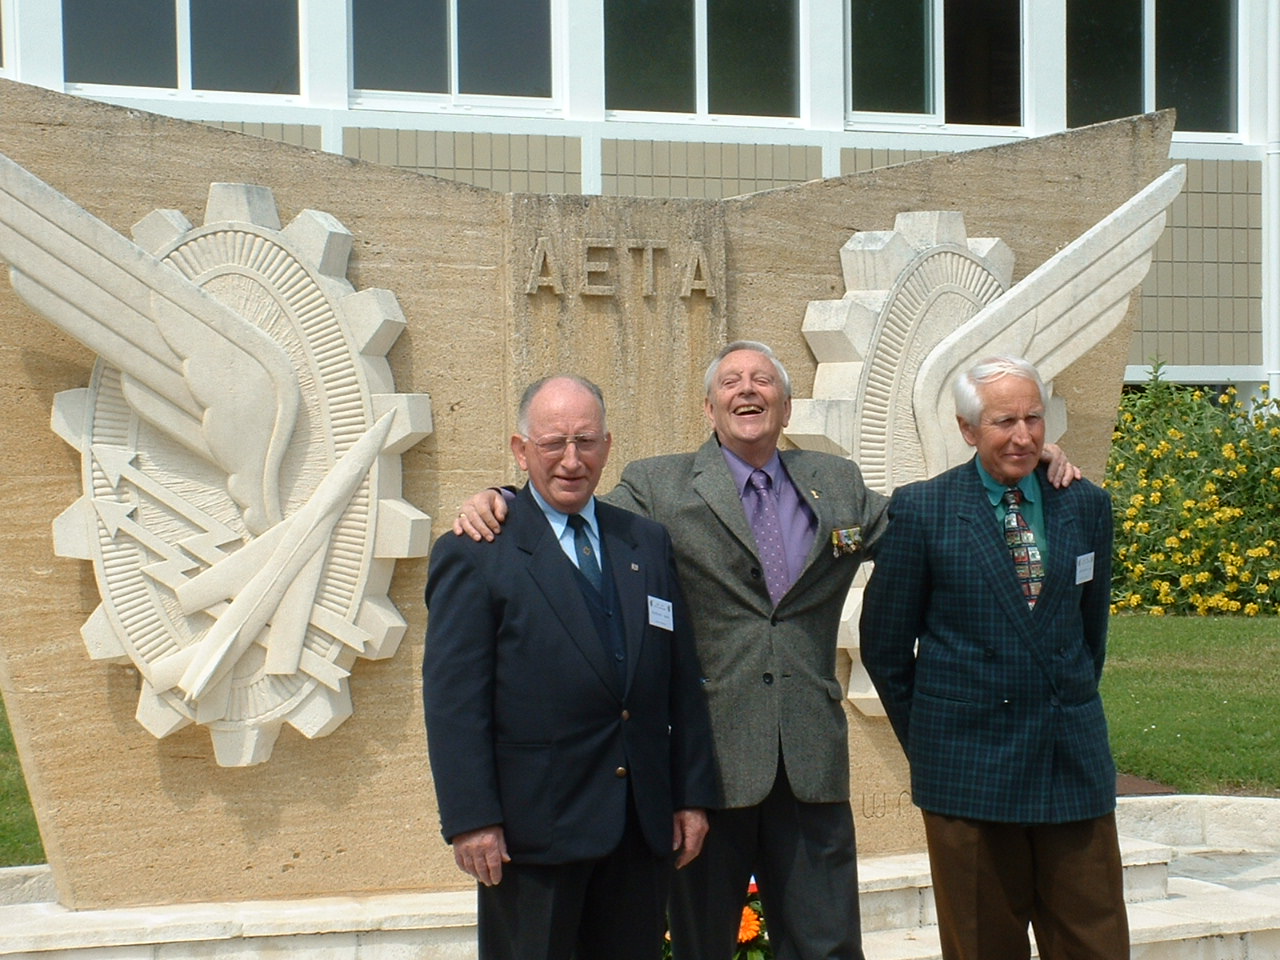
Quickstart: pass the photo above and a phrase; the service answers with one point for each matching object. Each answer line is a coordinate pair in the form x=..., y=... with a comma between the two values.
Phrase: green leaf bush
x=1195, y=484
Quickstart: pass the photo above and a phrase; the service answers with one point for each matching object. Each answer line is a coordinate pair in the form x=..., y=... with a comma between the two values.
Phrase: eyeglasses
x=586, y=444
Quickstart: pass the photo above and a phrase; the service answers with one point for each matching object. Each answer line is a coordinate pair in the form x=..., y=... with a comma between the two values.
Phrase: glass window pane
x=891, y=50
x=401, y=45
x=504, y=47
x=983, y=49
x=1196, y=62
x=648, y=55
x=752, y=57
x=135, y=44
x=1104, y=60
x=244, y=45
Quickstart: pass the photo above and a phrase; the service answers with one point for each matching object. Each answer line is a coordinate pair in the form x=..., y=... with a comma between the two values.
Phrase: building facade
x=715, y=98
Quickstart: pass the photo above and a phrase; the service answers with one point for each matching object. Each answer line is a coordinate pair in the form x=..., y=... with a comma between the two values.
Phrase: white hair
x=965, y=388
x=755, y=346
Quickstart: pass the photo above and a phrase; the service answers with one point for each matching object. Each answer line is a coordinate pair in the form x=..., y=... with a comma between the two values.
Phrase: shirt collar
x=741, y=471
x=560, y=520
x=1029, y=485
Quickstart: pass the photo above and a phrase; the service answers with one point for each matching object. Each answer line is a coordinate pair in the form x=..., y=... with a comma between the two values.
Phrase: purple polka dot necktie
x=1022, y=547
x=767, y=529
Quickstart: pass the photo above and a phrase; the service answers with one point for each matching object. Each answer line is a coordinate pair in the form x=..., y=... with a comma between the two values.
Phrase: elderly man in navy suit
x=984, y=630
x=566, y=724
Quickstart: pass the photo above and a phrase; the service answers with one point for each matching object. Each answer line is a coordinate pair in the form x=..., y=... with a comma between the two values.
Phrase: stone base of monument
x=1202, y=875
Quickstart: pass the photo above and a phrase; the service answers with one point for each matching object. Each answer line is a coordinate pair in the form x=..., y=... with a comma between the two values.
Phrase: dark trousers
x=612, y=908
x=993, y=880
x=802, y=856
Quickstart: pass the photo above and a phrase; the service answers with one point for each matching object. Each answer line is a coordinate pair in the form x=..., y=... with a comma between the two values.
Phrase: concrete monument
x=175, y=474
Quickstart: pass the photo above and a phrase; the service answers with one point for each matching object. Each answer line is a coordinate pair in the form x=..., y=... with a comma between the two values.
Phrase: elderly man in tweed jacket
x=989, y=675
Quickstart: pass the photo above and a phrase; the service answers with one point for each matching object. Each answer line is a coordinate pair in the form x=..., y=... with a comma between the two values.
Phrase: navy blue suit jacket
x=529, y=723
x=997, y=707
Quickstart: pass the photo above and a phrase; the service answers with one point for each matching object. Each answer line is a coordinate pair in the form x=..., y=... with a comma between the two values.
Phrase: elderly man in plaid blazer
x=984, y=629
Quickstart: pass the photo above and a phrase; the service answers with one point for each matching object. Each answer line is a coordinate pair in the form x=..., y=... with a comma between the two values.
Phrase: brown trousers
x=993, y=880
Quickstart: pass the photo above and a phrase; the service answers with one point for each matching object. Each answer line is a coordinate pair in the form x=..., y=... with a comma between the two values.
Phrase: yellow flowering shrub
x=1195, y=481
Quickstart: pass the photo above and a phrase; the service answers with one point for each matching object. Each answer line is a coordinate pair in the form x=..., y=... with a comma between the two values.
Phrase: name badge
x=1084, y=568
x=660, y=614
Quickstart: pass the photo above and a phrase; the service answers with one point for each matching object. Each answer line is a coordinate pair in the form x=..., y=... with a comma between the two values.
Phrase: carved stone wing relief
x=239, y=439
x=923, y=302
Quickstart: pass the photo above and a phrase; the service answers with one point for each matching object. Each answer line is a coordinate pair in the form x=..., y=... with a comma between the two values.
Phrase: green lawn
x=19, y=839
x=1194, y=702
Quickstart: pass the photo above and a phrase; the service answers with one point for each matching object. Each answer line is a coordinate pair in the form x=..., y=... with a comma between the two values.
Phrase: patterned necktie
x=587, y=562
x=768, y=533
x=1022, y=547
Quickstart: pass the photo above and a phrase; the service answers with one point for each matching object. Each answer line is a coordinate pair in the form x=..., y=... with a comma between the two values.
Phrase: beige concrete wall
x=497, y=289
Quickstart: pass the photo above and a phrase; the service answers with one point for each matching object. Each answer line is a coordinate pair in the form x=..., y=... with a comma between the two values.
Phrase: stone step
x=1202, y=876
x=897, y=891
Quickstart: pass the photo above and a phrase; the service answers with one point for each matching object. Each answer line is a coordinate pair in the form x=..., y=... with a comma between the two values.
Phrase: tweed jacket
x=530, y=723
x=998, y=706
x=769, y=673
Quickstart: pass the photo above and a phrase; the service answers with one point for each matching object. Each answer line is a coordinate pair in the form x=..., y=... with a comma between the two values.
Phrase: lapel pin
x=635, y=567
x=815, y=494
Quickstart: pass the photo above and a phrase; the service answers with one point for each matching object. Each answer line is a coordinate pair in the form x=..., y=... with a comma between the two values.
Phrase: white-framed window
x=942, y=61
x=963, y=61
x=456, y=50
x=1132, y=56
x=703, y=58
x=234, y=46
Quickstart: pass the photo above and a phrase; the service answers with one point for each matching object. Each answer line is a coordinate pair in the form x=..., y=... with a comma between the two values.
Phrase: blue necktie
x=587, y=562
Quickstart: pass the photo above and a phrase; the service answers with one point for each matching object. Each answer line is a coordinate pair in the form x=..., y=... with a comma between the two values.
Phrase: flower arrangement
x=1195, y=484
x=753, y=936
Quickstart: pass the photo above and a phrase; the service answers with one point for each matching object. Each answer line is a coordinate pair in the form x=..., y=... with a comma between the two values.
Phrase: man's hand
x=481, y=853
x=690, y=830
x=1062, y=472
x=482, y=516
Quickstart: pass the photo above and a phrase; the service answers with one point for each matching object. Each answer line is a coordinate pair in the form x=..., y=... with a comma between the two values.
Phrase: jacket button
x=626, y=714
x=620, y=772
x=767, y=678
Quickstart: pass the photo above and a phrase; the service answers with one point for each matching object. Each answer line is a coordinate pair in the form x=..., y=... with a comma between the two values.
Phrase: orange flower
x=749, y=929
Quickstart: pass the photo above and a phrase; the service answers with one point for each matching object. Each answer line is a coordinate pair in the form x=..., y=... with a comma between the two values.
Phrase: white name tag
x=660, y=614
x=1084, y=568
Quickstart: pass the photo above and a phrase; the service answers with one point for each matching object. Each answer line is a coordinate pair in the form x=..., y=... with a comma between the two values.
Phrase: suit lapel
x=553, y=574
x=1060, y=563
x=624, y=562
x=714, y=483
x=991, y=555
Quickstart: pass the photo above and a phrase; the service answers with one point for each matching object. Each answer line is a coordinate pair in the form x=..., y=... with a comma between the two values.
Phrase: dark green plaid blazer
x=997, y=706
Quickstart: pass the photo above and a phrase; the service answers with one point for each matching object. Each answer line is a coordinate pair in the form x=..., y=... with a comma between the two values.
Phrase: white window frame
x=184, y=91
x=702, y=95
x=936, y=118
x=460, y=103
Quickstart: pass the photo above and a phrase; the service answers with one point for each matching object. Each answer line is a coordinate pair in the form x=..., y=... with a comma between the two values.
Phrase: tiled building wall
x=509, y=163
x=1202, y=300
x=860, y=160
x=654, y=168
x=297, y=134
